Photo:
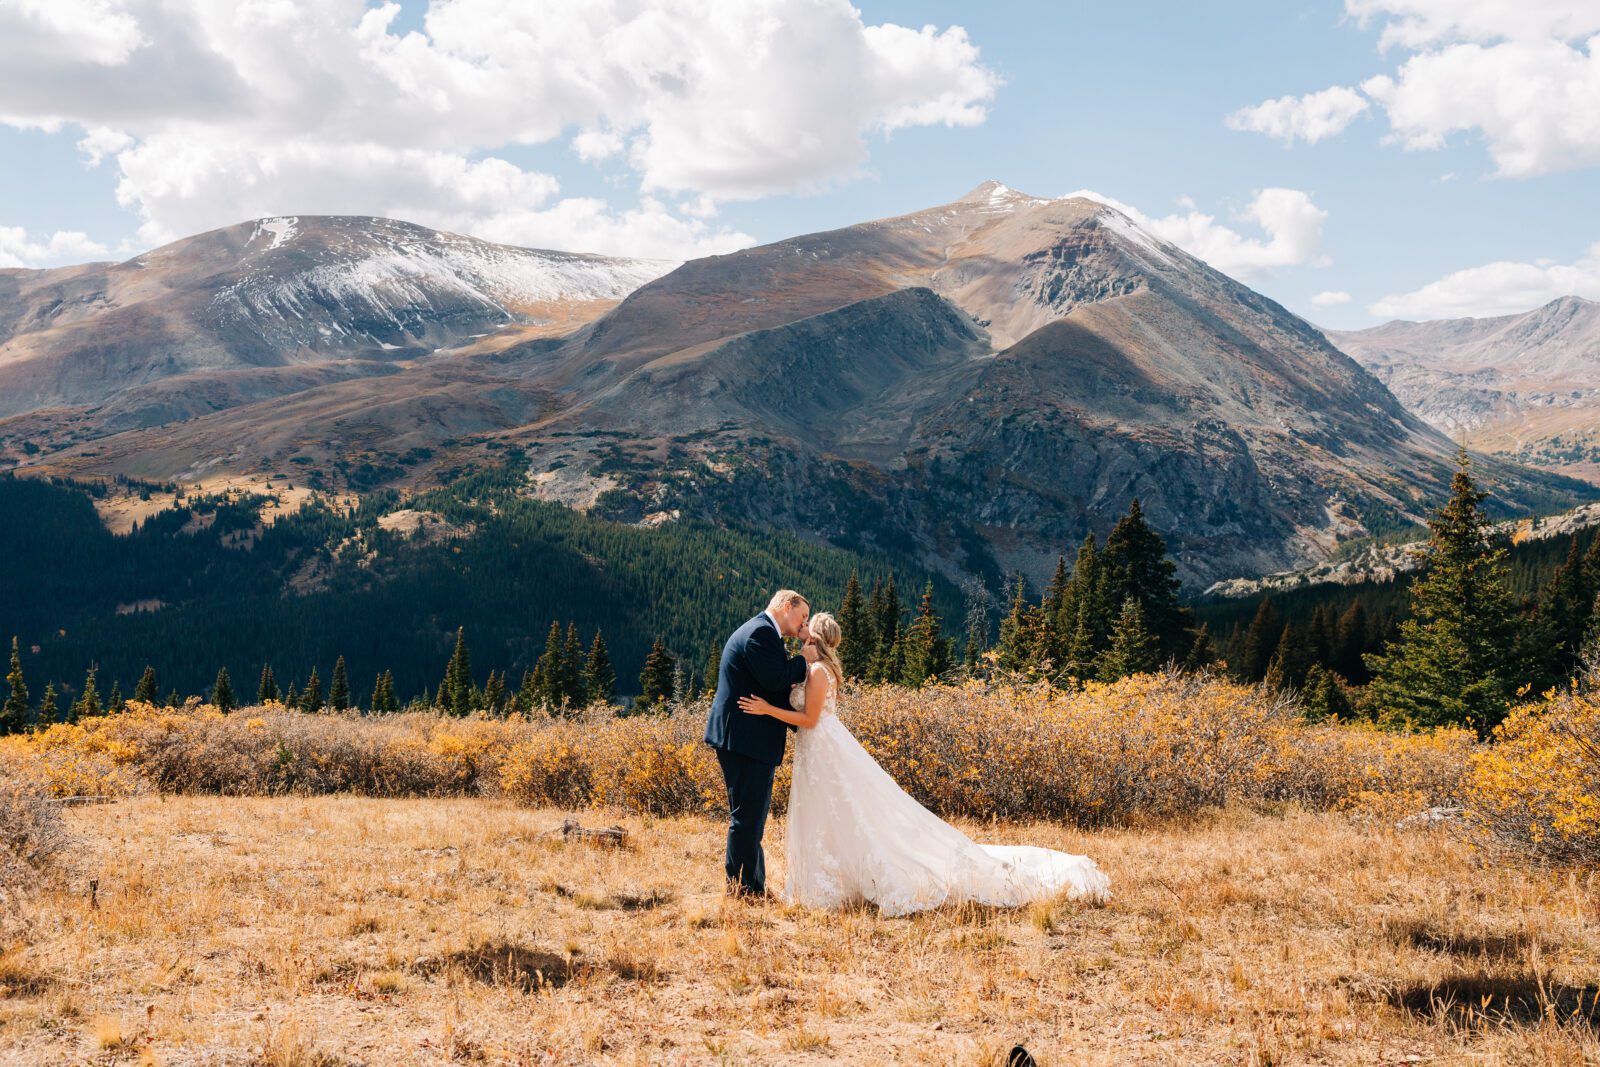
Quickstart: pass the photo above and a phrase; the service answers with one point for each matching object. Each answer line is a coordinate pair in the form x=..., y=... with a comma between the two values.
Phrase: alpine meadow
x=562, y=534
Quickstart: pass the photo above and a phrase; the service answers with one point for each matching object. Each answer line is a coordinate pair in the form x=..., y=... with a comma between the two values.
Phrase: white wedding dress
x=854, y=835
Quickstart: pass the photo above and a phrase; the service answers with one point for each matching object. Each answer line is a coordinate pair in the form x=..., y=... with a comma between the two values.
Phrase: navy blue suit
x=750, y=747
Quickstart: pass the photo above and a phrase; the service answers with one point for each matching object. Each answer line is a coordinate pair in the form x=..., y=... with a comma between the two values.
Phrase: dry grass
x=345, y=930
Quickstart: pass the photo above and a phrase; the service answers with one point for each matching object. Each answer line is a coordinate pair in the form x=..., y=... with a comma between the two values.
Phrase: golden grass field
x=345, y=930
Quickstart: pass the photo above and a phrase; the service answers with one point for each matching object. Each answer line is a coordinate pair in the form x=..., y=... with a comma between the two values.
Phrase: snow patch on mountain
x=281, y=230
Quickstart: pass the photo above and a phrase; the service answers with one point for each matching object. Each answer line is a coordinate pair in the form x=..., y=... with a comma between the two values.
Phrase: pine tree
x=1291, y=660
x=926, y=652
x=1083, y=655
x=89, y=703
x=222, y=692
x=1136, y=564
x=339, y=688
x=291, y=696
x=1452, y=661
x=527, y=693
x=494, y=693
x=885, y=611
x=267, y=688
x=856, y=637
x=1350, y=641
x=378, y=703
x=458, y=677
x=311, y=696
x=48, y=713
x=655, y=681
x=146, y=692
x=1014, y=645
x=1134, y=649
x=574, y=694
x=549, y=670
x=441, y=698
x=1260, y=641
x=14, y=713
x=713, y=670
x=1323, y=697
x=1202, y=653
x=115, y=703
x=1055, y=627
x=599, y=679
x=390, y=703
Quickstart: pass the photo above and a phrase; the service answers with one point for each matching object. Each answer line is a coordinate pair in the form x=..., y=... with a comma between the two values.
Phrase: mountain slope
x=980, y=384
x=217, y=319
x=1526, y=386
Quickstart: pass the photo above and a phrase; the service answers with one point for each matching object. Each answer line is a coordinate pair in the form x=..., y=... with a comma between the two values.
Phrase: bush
x=30, y=832
x=1148, y=747
x=1536, y=787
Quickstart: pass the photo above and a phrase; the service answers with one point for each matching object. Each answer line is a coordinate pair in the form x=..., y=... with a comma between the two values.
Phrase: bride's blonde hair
x=825, y=628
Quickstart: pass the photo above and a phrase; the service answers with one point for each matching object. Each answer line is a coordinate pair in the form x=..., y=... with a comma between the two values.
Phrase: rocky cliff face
x=981, y=383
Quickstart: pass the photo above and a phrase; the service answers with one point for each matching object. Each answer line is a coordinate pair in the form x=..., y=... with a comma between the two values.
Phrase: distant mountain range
x=979, y=384
x=1523, y=386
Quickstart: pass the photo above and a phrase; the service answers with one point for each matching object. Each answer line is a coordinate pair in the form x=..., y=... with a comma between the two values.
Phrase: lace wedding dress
x=853, y=834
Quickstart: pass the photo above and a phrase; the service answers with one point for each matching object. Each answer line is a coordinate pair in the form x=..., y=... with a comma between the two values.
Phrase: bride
x=853, y=834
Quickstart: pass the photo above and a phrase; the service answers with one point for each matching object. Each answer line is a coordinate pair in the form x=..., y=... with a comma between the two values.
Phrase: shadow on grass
x=1434, y=938
x=1498, y=1000
x=530, y=969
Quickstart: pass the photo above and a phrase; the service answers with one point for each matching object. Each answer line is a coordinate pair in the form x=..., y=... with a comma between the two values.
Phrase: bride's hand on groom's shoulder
x=754, y=705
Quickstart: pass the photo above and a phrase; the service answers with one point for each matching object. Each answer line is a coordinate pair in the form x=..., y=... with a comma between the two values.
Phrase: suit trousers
x=749, y=785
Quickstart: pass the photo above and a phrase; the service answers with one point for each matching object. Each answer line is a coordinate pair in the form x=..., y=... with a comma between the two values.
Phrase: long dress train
x=854, y=834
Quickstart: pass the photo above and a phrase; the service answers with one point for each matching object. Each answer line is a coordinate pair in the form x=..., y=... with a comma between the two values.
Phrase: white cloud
x=1417, y=23
x=63, y=246
x=1535, y=103
x=1330, y=298
x=1291, y=222
x=1522, y=75
x=1309, y=118
x=1500, y=288
x=214, y=110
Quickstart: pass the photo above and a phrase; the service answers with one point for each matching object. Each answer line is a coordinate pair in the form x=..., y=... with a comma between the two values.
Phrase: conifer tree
x=1292, y=658
x=291, y=696
x=1350, y=641
x=976, y=642
x=884, y=609
x=1134, y=649
x=89, y=703
x=856, y=637
x=378, y=703
x=1016, y=641
x=458, y=677
x=1260, y=641
x=1135, y=564
x=14, y=713
x=222, y=692
x=599, y=678
x=1083, y=655
x=48, y=712
x=549, y=670
x=926, y=651
x=339, y=688
x=1055, y=627
x=1322, y=696
x=1202, y=653
x=115, y=703
x=494, y=693
x=441, y=698
x=1452, y=662
x=527, y=693
x=311, y=697
x=146, y=692
x=713, y=670
x=655, y=681
x=574, y=693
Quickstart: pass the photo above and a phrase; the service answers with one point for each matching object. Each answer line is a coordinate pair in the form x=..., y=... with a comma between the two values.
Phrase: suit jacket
x=754, y=663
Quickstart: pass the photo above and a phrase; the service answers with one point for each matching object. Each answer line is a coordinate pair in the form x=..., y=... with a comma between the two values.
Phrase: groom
x=750, y=747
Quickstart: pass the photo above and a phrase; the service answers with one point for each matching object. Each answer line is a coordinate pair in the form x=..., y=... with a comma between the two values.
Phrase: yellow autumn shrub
x=1536, y=786
x=1149, y=747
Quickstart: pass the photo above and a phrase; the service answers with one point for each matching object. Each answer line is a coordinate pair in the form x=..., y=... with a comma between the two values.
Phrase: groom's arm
x=774, y=668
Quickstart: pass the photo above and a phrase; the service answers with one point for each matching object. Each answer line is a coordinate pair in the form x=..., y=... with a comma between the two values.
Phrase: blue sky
x=1126, y=100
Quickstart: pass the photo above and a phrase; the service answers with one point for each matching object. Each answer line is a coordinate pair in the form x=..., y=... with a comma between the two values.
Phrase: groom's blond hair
x=784, y=597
